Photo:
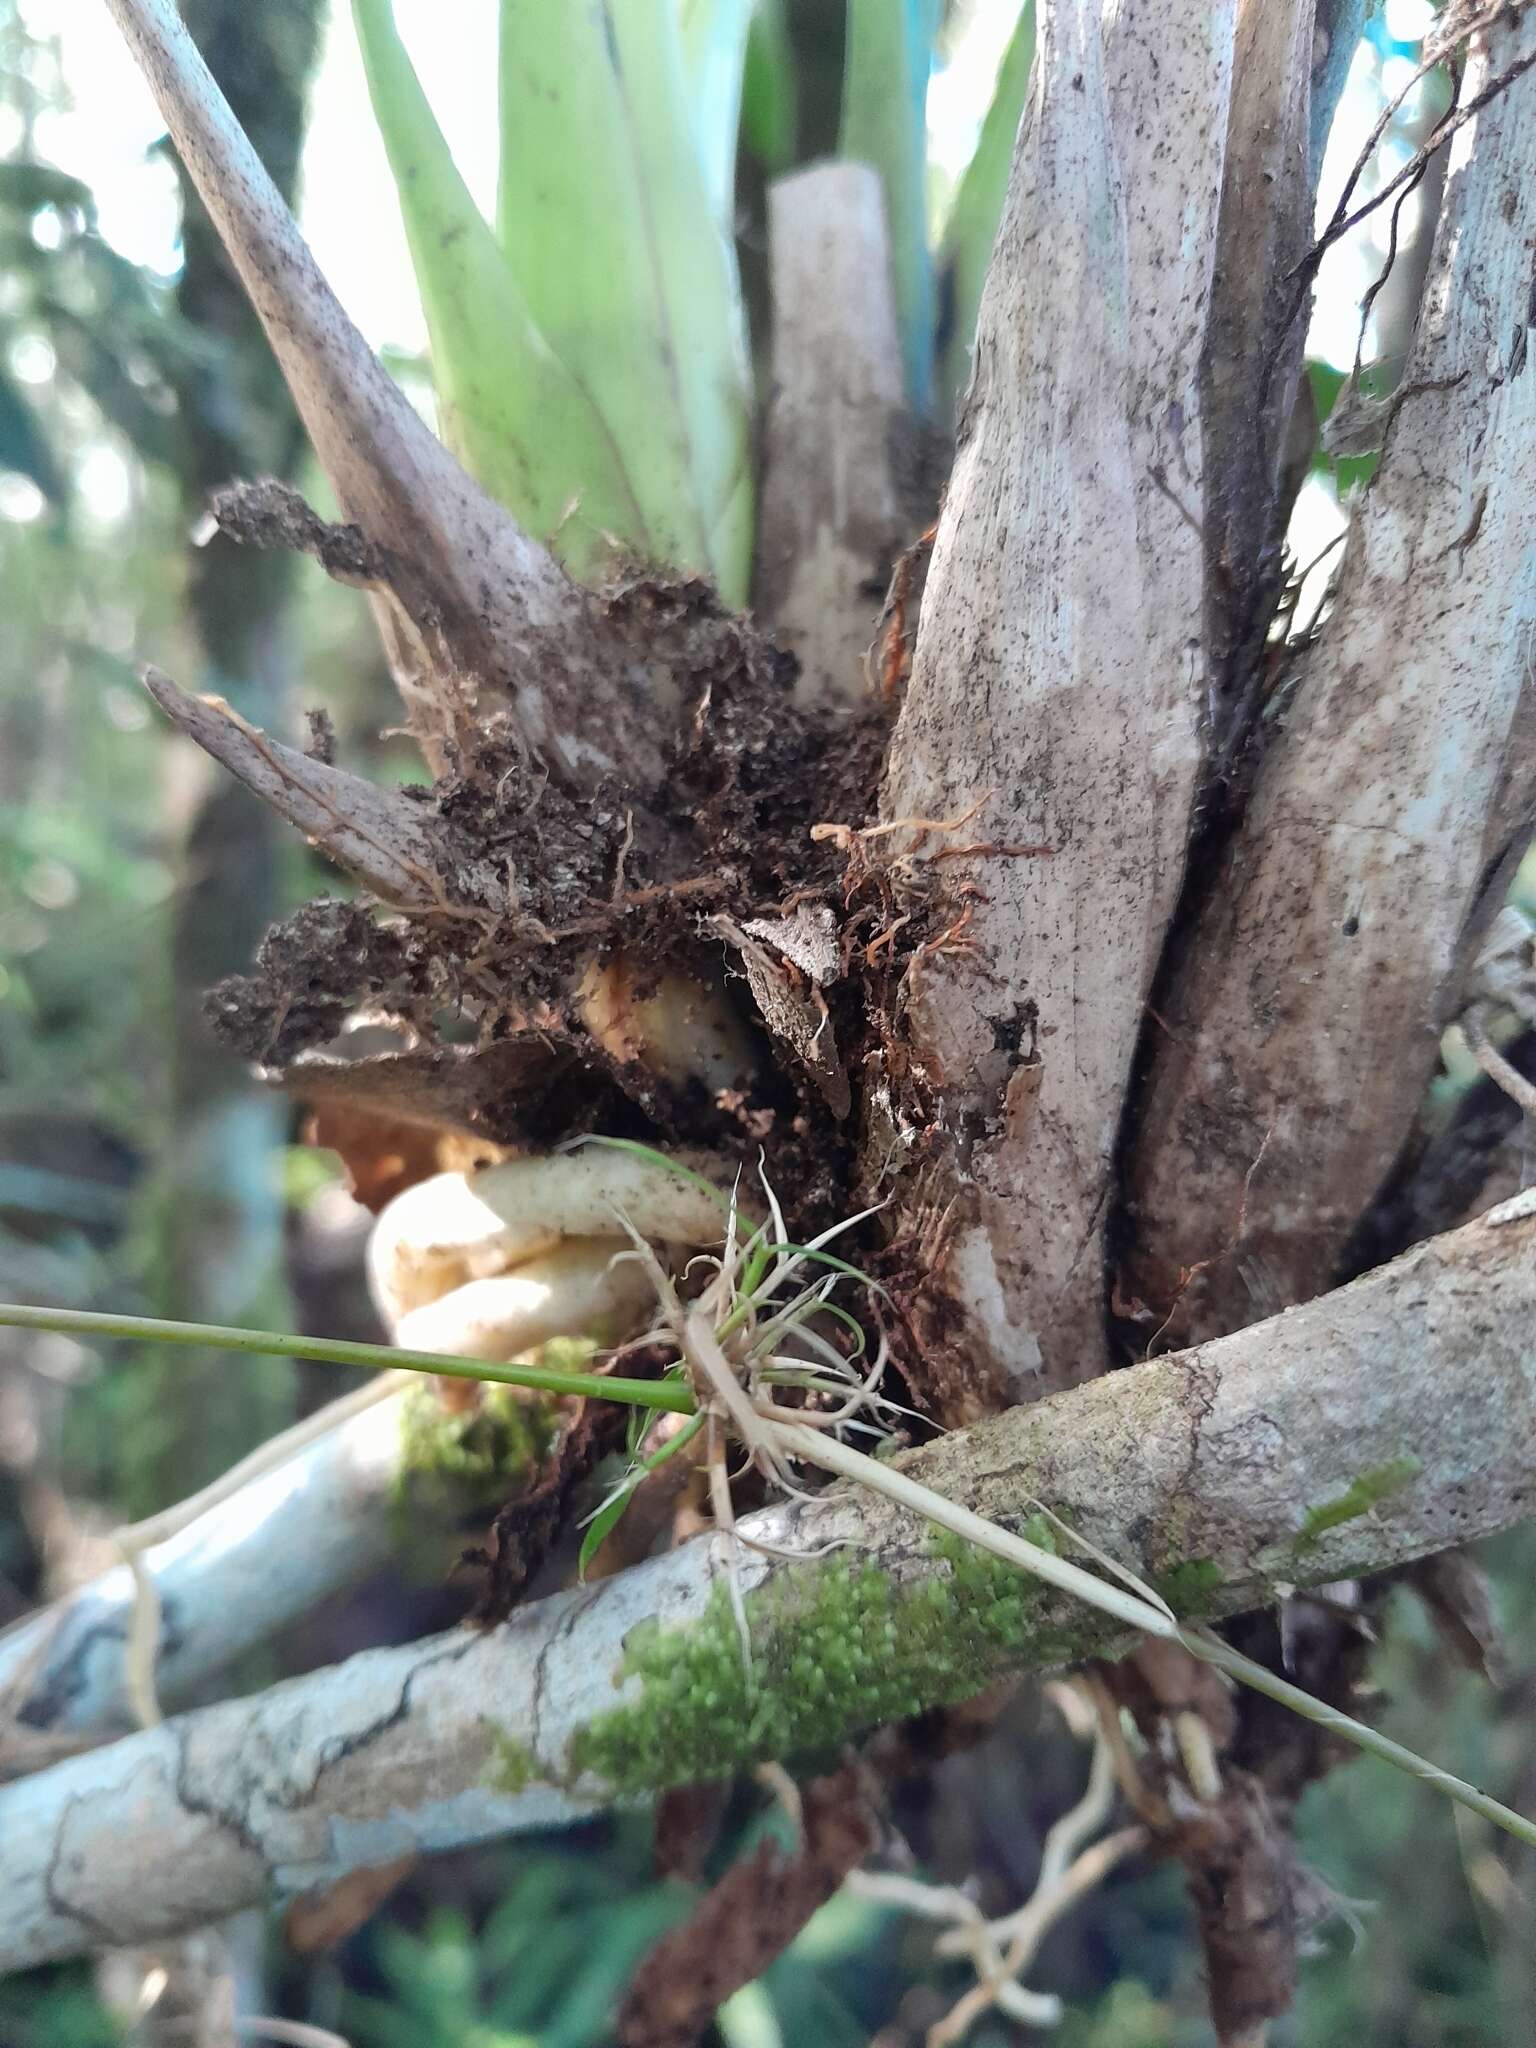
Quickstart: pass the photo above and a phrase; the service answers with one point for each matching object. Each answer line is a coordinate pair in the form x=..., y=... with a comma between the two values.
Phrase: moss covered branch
x=1355, y=1434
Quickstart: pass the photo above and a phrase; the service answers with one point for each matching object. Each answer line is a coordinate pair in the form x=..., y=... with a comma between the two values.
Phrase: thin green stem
x=1212, y=1650
x=670, y=1395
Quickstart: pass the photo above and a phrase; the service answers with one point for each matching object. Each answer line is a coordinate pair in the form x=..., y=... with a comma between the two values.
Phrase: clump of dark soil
x=312, y=971
x=541, y=879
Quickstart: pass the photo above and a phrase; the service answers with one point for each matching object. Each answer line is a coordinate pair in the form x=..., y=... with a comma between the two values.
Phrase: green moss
x=514, y=1767
x=1191, y=1588
x=469, y=1458
x=1357, y=1499
x=837, y=1647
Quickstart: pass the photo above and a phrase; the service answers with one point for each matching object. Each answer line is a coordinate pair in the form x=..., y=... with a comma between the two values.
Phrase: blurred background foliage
x=141, y=1169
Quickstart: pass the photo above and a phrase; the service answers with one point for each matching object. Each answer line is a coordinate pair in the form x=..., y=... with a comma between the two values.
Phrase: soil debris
x=269, y=514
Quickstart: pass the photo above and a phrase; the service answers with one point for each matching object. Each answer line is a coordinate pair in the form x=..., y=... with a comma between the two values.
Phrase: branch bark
x=1061, y=667
x=381, y=836
x=1304, y=1021
x=1391, y=1420
x=1253, y=355
x=226, y=1583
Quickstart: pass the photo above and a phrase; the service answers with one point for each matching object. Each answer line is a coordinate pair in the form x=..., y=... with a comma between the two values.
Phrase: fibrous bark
x=835, y=503
x=1328, y=1441
x=1304, y=1021
x=1061, y=672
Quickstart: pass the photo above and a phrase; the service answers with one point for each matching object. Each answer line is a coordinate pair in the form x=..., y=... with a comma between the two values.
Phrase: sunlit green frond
x=885, y=96
x=615, y=241
x=978, y=207
x=509, y=408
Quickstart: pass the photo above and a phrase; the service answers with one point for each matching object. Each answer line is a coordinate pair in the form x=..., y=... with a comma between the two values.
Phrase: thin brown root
x=1493, y=1063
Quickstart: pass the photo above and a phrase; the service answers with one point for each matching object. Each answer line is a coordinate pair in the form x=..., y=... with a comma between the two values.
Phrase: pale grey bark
x=1254, y=346
x=1395, y=1418
x=1397, y=787
x=392, y=845
x=227, y=1583
x=1061, y=673
x=833, y=515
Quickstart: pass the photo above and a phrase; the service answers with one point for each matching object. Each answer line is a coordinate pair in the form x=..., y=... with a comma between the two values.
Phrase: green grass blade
x=509, y=409
x=671, y=1395
x=610, y=228
x=978, y=207
x=1212, y=1650
x=885, y=95
x=714, y=35
x=612, y=1511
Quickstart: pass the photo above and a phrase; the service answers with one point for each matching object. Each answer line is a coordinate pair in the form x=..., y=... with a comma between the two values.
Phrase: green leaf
x=609, y=225
x=509, y=408
x=885, y=98
x=1348, y=472
x=714, y=38
x=611, y=1513
x=612, y=1952
x=769, y=111
x=978, y=207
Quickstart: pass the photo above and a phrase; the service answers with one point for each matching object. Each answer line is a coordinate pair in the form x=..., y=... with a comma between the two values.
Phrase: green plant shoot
x=885, y=97
x=971, y=229
x=616, y=236
x=589, y=355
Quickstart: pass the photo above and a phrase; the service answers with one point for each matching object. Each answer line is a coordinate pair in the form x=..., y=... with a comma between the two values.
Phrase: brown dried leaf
x=688, y=1821
x=382, y=1157
x=751, y=1916
x=527, y=1527
x=322, y=1920
x=1459, y=1598
x=808, y=937
x=793, y=1006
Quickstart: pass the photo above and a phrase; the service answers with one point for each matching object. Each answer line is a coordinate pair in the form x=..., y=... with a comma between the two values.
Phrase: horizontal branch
x=226, y=1583
x=1392, y=1419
